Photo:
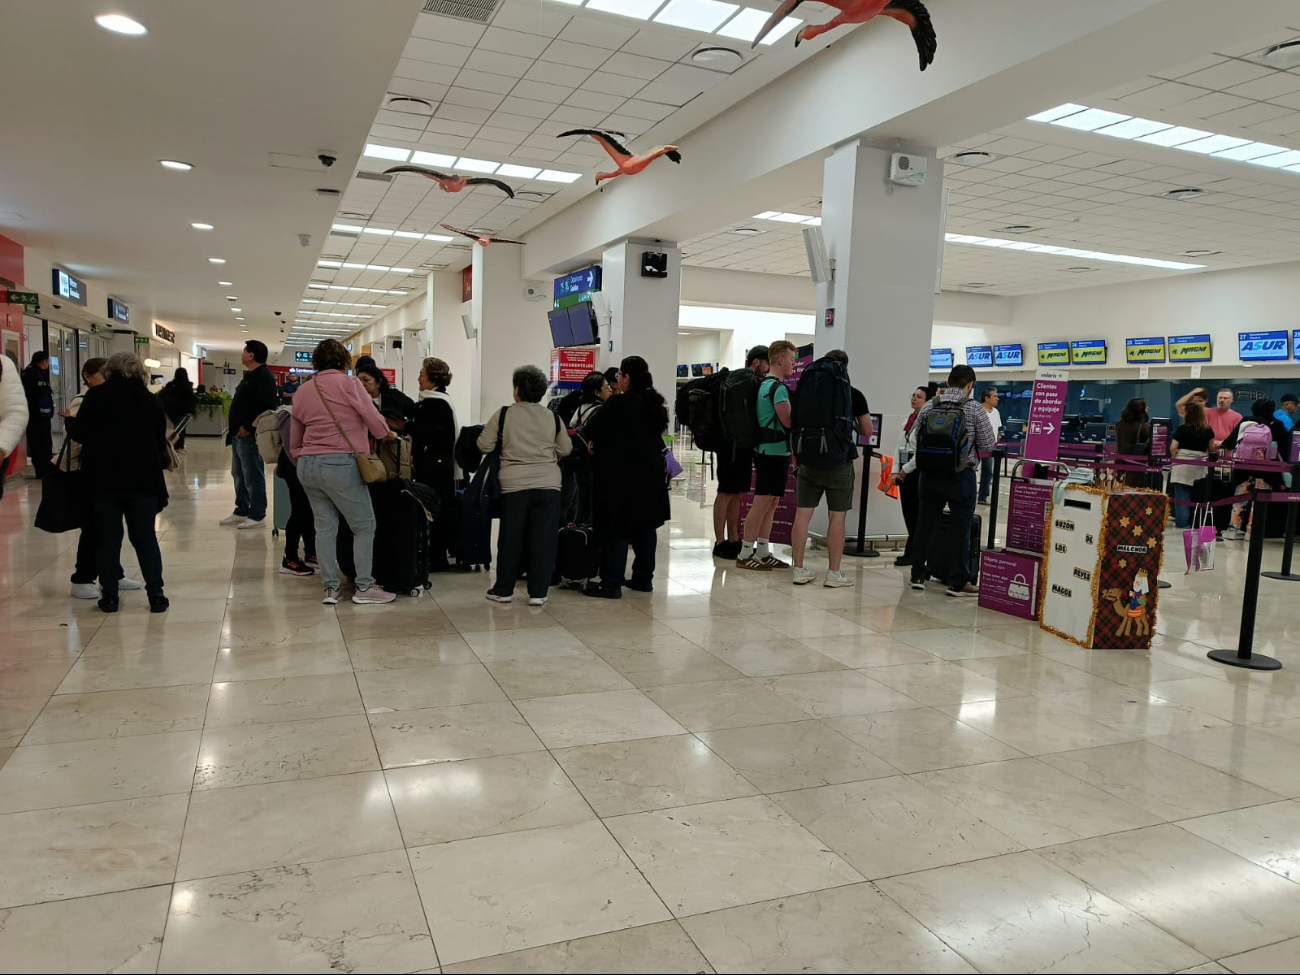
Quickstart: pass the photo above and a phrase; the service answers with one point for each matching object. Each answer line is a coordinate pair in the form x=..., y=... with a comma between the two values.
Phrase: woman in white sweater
x=13, y=413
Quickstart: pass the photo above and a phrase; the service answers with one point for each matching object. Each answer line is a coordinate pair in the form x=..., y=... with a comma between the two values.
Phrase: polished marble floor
x=730, y=775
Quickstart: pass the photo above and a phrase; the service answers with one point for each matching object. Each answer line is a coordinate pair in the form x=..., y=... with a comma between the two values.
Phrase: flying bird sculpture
x=483, y=238
x=628, y=164
x=450, y=182
x=911, y=13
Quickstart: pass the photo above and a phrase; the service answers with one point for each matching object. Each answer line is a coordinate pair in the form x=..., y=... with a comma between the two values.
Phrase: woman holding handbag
x=334, y=416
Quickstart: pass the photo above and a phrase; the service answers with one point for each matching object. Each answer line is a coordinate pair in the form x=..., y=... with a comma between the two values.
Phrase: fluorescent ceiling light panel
x=121, y=24
x=329, y=263
x=1214, y=143
x=1133, y=128
x=1060, y=112
x=216, y=260
x=638, y=9
x=421, y=158
x=377, y=230
x=176, y=164
x=202, y=226
x=441, y=238
x=1251, y=152
x=476, y=165
x=789, y=217
x=518, y=172
x=394, y=153
x=236, y=309
x=409, y=234
x=745, y=25
x=1172, y=138
x=1282, y=160
x=321, y=286
x=226, y=284
x=1091, y=118
x=1072, y=252
x=352, y=265
x=701, y=15
x=347, y=228
x=766, y=215
x=780, y=30
x=558, y=176
x=814, y=221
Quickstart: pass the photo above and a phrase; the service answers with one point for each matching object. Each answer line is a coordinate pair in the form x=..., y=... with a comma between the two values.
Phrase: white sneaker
x=498, y=598
x=803, y=576
x=233, y=519
x=372, y=595
x=124, y=584
x=85, y=590
x=1233, y=534
x=837, y=580
x=331, y=597
x=251, y=523
x=536, y=600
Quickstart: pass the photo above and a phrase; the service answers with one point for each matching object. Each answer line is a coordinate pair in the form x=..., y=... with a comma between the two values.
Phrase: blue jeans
x=986, y=477
x=334, y=486
x=614, y=566
x=249, y=475
x=958, y=492
x=1186, y=492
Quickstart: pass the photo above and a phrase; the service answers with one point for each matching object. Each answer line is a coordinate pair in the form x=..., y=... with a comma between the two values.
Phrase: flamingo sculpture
x=483, y=239
x=911, y=13
x=450, y=182
x=628, y=164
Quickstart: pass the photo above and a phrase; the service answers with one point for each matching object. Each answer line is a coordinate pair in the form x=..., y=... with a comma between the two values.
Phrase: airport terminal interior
x=1091, y=765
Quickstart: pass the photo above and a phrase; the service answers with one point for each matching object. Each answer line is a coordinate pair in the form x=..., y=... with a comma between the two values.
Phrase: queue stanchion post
x=1161, y=583
x=998, y=457
x=1288, y=548
x=1244, y=656
x=862, y=551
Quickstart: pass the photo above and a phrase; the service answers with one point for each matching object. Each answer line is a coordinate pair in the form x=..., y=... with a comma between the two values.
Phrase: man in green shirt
x=771, y=462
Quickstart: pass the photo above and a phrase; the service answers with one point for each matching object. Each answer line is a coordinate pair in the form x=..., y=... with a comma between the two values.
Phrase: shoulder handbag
x=485, y=488
x=371, y=467
x=62, y=503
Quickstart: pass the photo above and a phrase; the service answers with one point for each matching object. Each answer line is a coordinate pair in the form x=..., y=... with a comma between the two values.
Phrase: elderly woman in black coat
x=123, y=434
x=631, y=483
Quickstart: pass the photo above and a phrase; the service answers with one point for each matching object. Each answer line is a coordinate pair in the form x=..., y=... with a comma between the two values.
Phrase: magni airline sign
x=1190, y=348
x=1139, y=351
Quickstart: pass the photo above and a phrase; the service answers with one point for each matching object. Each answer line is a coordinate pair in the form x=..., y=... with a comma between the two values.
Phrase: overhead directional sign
x=1142, y=351
x=978, y=356
x=1262, y=347
x=941, y=359
x=588, y=279
x=30, y=300
x=1190, y=348
x=1088, y=352
x=1009, y=355
x=1046, y=411
x=1053, y=353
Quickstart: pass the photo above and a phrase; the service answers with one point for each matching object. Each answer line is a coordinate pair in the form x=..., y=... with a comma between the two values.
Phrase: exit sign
x=30, y=300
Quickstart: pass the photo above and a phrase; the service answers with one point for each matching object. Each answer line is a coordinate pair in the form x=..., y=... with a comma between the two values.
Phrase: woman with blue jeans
x=333, y=416
x=1192, y=441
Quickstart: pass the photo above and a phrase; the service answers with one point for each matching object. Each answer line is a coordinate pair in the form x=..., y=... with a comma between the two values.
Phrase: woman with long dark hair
x=1133, y=439
x=40, y=412
x=1192, y=441
x=389, y=400
x=630, y=483
x=908, y=495
x=179, y=401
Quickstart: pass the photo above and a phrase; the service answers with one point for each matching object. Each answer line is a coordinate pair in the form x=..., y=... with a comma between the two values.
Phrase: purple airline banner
x=1046, y=411
x=1009, y=584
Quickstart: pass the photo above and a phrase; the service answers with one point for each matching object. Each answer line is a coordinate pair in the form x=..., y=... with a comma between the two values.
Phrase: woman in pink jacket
x=333, y=416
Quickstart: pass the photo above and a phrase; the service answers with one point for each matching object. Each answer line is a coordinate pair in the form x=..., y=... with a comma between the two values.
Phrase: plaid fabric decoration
x=1131, y=553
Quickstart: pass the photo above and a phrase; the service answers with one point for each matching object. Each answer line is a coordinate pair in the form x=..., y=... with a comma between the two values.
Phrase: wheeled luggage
x=473, y=532
x=940, y=551
x=403, y=512
x=577, y=557
x=281, y=506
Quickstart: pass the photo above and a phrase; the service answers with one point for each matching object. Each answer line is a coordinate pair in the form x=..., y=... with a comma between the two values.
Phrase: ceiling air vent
x=477, y=11
x=367, y=174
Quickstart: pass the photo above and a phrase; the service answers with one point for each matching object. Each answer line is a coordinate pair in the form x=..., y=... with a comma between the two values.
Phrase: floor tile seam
x=85, y=897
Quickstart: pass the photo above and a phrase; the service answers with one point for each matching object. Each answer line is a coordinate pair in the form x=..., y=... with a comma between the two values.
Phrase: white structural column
x=644, y=311
x=512, y=330
x=885, y=241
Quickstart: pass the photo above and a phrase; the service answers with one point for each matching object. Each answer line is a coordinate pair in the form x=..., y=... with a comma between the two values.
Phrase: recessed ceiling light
x=717, y=55
x=1184, y=193
x=558, y=176
x=1087, y=255
x=175, y=164
x=1055, y=114
x=1284, y=55
x=239, y=319
x=121, y=24
x=972, y=157
x=518, y=172
x=377, y=230
x=638, y=9
x=226, y=284
x=974, y=284
x=216, y=260
x=535, y=195
x=1080, y=270
x=346, y=228
x=1017, y=228
x=432, y=159
x=232, y=297
x=202, y=226
x=701, y=15
x=387, y=152
x=1199, y=252
x=236, y=309
x=1091, y=118
x=469, y=164
x=747, y=231
x=745, y=25
x=405, y=103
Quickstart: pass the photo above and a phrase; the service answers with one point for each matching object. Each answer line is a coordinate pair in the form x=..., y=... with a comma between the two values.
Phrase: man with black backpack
x=735, y=465
x=771, y=419
x=828, y=412
x=950, y=434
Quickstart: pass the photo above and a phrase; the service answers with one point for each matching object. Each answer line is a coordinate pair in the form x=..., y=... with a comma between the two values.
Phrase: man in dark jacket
x=40, y=412
x=255, y=395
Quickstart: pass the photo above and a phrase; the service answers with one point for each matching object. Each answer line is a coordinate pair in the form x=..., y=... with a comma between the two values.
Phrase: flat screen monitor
x=582, y=323
x=561, y=335
x=1263, y=347
x=702, y=369
x=683, y=372
x=941, y=359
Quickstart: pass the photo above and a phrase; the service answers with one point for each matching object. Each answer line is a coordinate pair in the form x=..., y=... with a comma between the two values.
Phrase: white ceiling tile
x=472, y=98
x=1270, y=85
x=597, y=33
x=1226, y=75
x=595, y=99
x=512, y=42
x=582, y=117
x=1252, y=114
x=542, y=92
x=528, y=107
x=628, y=125
x=392, y=133
x=615, y=83
x=418, y=89
x=442, y=74
x=505, y=64
x=1291, y=100
x=1189, y=67
x=443, y=126
x=1212, y=104
x=516, y=123
x=497, y=134
x=402, y=120
x=566, y=75
x=485, y=81
x=1164, y=95
x=653, y=111
x=685, y=76
x=636, y=66
x=422, y=49
x=463, y=113
x=653, y=42
x=575, y=55
x=447, y=29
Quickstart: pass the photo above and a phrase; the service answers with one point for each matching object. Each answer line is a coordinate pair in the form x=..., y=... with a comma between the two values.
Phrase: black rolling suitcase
x=400, y=562
x=939, y=553
x=577, y=557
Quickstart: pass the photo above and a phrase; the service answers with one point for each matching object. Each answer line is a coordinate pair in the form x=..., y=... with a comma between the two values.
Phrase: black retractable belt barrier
x=1243, y=655
x=862, y=551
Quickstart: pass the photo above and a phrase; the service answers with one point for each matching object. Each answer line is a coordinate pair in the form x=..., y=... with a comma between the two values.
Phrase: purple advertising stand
x=1046, y=412
x=1009, y=584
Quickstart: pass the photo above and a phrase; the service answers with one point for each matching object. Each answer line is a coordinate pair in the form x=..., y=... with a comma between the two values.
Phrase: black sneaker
x=902, y=561
x=108, y=604
x=918, y=585
x=727, y=550
x=639, y=587
x=311, y=560
x=292, y=567
x=158, y=603
x=600, y=592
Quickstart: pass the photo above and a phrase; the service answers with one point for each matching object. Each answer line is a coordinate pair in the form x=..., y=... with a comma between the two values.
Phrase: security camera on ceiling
x=327, y=159
x=304, y=240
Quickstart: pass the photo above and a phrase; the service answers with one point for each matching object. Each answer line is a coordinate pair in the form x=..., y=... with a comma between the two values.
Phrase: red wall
x=11, y=319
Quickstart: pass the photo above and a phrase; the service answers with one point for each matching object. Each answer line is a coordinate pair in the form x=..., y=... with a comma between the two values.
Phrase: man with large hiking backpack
x=950, y=434
x=828, y=415
x=768, y=433
x=735, y=463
